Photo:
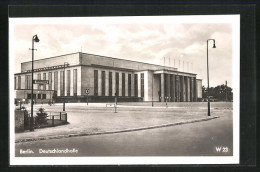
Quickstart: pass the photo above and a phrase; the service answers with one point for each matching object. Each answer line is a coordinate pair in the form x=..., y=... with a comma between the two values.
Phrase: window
x=136, y=85
x=123, y=84
x=28, y=82
x=34, y=96
x=117, y=83
x=44, y=78
x=39, y=96
x=103, y=83
x=62, y=83
x=142, y=84
x=68, y=82
x=15, y=83
x=39, y=78
x=19, y=82
x=75, y=82
x=29, y=96
x=110, y=83
x=43, y=96
x=50, y=81
x=95, y=82
x=56, y=81
x=129, y=85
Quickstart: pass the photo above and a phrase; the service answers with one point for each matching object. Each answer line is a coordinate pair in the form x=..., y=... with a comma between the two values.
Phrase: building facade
x=71, y=75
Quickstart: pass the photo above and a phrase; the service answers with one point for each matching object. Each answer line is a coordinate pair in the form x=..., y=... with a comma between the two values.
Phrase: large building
x=71, y=75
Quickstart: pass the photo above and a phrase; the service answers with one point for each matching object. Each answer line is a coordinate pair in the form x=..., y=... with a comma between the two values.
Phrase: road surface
x=195, y=139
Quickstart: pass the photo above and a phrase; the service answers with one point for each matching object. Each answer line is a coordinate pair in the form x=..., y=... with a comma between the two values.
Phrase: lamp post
x=34, y=39
x=64, y=86
x=214, y=46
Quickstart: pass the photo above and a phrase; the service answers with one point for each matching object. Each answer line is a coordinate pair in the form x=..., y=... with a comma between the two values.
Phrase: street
x=195, y=139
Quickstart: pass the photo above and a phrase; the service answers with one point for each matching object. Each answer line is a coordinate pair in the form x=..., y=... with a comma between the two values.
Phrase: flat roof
x=129, y=60
x=103, y=57
x=50, y=57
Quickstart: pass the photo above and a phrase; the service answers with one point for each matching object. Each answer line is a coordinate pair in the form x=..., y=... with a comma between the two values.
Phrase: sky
x=177, y=43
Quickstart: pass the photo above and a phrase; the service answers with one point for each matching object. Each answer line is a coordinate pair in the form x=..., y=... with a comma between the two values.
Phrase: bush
x=41, y=117
x=26, y=119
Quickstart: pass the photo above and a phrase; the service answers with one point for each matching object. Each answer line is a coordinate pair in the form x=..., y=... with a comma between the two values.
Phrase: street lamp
x=64, y=85
x=214, y=46
x=34, y=39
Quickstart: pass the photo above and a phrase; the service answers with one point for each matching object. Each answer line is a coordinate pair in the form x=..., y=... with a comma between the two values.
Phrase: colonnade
x=177, y=88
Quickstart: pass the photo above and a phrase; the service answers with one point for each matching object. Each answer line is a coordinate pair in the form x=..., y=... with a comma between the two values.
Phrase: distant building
x=104, y=76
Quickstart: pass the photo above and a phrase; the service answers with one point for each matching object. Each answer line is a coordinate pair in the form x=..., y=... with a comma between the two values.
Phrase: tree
x=41, y=117
x=220, y=93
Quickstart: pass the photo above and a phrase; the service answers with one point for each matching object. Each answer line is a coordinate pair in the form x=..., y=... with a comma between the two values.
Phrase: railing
x=60, y=116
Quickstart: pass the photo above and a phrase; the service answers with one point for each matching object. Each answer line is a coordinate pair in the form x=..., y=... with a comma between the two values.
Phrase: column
x=71, y=82
x=172, y=89
x=162, y=87
x=139, y=85
x=132, y=84
x=113, y=83
x=126, y=84
x=59, y=85
x=188, y=89
x=195, y=90
x=181, y=89
x=107, y=83
x=120, y=84
x=192, y=89
x=167, y=85
x=184, y=89
x=99, y=82
x=177, y=88
x=65, y=82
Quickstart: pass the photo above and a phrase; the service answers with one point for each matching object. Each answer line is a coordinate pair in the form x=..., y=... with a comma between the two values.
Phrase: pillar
x=177, y=88
x=167, y=85
x=195, y=90
x=188, y=89
x=99, y=83
x=162, y=87
x=182, y=89
x=107, y=83
x=172, y=89
x=113, y=83
x=192, y=89
x=120, y=84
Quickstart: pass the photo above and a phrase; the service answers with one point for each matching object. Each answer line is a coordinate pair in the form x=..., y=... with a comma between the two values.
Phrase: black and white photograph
x=124, y=90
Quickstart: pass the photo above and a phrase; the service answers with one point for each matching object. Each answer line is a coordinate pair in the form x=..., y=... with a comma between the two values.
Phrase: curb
x=113, y=132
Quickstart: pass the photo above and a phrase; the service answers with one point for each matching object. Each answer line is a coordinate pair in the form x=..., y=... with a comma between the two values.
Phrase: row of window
x=28, y=82
x=39, y=96
x=110, y=79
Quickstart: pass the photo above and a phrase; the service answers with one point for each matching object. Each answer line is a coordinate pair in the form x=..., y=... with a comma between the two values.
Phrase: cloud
x=140, y=42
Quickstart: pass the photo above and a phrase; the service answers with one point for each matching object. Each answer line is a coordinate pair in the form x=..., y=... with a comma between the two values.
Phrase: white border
x=233, y=19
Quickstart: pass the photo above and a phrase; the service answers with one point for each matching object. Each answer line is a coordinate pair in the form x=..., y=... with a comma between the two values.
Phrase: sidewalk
x=96, y=118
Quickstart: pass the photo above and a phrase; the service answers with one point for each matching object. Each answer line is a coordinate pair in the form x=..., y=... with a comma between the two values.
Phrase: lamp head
x=36, y=39
x=214, y=45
